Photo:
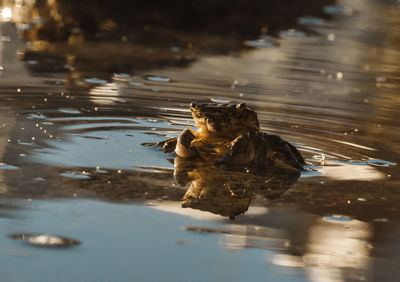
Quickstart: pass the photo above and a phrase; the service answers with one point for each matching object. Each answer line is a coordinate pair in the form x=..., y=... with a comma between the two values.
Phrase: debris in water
x=45, y=240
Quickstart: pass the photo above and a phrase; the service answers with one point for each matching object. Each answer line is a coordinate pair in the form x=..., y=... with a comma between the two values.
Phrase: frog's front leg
x=184, y=149
x=241, y=152
x=168, y=145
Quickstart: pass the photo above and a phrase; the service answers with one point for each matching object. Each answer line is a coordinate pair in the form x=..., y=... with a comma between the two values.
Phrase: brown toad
x=230, y=134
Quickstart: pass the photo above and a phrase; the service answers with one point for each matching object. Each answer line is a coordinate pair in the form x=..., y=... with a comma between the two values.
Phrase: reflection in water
x=215, y=189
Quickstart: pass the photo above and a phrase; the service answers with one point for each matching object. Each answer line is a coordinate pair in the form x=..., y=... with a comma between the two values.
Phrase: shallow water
x=74, y=115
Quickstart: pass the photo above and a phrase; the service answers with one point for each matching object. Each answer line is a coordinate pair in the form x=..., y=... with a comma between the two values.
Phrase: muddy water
x=74, y=115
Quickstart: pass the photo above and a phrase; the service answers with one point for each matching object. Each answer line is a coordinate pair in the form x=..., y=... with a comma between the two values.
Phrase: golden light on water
x=6, y=14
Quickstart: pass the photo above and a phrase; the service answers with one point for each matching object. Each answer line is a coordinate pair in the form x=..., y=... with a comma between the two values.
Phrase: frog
x=229, y=135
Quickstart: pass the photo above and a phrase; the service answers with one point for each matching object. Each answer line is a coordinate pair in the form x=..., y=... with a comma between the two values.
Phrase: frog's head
x=224, y=120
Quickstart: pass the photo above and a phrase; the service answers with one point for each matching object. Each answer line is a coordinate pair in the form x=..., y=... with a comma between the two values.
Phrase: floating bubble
x=260, y=43
x=36, y=116
x=381, y=79
x=121, y=77
x=310, y=20
x=337, y=217
x=75, y=175
x=338, y=10
x=136, y=83
x=7, y=166
x=331, y=37
x=95, y=80
x=158, y=78
x=292, y=33
x=45, y=240
x=220, y=100
x=69, y=111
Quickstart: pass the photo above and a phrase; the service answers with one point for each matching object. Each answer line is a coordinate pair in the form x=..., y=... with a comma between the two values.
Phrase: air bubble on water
x=157, y=78
x=95, y=80
x=338, y=10
x=337, y=217
x=75, y=175
x=331, y=37
x=381, y=79
x=259, y=43
x=220, y=100
x=175, y=49
x=135, y=83
x=121, y=76
x=310, y=20
x=7, y=166
x=361, y=199
x=292, y=33
x=69, y=111
x=339, y=76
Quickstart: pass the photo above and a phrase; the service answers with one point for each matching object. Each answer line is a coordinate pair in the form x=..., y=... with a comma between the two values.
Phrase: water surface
x=74, y=113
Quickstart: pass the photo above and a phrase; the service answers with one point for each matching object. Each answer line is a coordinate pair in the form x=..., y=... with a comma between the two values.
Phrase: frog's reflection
x=227, y=192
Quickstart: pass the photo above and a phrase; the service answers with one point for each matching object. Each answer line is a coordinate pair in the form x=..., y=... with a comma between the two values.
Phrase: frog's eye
x=241, y=105
x=193, y=105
